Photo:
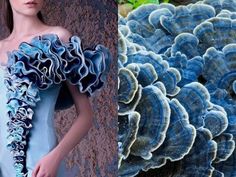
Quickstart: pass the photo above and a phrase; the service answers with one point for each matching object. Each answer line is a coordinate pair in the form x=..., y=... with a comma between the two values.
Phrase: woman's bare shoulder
x=61, y=32
x=3, y=43
x=5, y=46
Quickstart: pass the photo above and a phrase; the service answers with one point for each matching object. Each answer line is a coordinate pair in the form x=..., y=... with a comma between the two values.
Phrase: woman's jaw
x=26, y=7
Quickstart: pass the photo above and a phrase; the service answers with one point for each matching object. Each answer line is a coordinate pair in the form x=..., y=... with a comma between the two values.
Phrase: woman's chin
x=30, y=12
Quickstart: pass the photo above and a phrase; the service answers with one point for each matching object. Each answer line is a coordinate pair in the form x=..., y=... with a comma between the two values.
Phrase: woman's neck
x=25, y=26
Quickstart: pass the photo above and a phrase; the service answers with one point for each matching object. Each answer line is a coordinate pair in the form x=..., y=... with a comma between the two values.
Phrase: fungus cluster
x=177, y=89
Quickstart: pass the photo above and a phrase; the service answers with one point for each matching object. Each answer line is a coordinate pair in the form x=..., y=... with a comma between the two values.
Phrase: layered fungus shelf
x=177, y=89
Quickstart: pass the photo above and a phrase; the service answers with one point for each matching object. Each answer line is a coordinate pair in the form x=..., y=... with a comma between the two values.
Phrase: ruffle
x=37, y=65
x=47, y=60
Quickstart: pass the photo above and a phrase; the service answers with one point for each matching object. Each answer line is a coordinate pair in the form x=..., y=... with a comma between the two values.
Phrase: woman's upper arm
x=81, y=100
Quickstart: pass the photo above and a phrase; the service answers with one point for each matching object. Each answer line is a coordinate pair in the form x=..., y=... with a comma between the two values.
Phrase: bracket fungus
x=177, y=89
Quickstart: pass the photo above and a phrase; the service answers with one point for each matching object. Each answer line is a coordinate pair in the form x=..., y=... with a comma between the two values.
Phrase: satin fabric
x=43, y=136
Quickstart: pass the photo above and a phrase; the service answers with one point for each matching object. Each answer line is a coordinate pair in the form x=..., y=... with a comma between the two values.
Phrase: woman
x=44, y=157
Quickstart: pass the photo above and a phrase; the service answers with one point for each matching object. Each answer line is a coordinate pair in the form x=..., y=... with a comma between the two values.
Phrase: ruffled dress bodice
x=33, y=87
x=43, y=136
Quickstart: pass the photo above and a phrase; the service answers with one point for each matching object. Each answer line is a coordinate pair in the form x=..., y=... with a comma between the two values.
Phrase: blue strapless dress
x=34, y=85
x=43, y=137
